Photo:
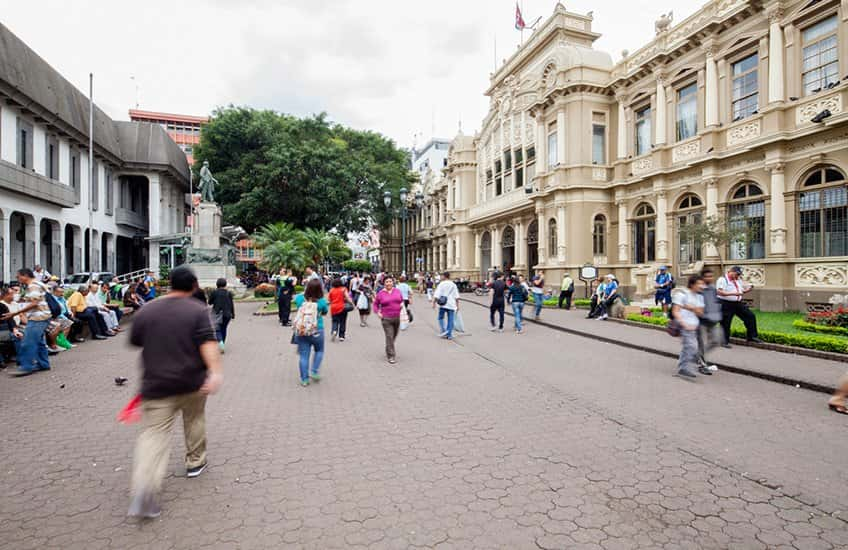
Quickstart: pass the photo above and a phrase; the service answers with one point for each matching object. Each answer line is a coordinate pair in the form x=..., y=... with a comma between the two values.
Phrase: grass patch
x=775, y=328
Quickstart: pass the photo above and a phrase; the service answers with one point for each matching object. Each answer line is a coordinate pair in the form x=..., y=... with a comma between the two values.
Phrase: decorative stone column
x=541, y=144
x=560, y=128
x=543, y=234
x=659, y=131
x=711, y=86
x=621, y=152
x=560, y=234
x=478, y=253
x=497, y=248
x=450, y=253
x=520, y=243
x=662, y=227
x=776, y=62
x=712, y=211
x=623, y=247
x=777, y=227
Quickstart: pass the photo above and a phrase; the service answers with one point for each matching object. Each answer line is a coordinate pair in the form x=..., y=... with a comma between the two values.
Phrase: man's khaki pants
x=153, y=447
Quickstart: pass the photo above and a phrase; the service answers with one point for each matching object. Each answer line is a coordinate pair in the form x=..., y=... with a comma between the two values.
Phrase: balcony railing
x=125, y=216
x=514, y=198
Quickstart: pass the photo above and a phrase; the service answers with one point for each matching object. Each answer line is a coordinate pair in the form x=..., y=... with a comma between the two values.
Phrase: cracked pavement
x=544, y=440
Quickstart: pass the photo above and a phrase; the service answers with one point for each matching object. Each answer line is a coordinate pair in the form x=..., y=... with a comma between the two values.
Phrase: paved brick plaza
x=496, y=441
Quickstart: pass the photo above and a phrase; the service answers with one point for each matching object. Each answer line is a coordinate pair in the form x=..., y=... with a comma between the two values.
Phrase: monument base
x=208, y=275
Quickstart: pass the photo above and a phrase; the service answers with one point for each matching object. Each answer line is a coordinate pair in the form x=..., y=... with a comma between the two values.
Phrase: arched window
x=552, y=237
x=823, y=213
x=746, y=219
x=690, y=212
x=643, y=234
x=599, y=235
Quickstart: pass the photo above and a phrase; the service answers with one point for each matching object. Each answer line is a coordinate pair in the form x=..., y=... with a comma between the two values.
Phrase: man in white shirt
x=109, y=316
x=687, y=307
x=447, y=298
x=730, y=290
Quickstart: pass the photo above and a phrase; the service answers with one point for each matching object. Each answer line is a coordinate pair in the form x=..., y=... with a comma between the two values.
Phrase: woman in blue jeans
x=314, y=292
x=517, y=295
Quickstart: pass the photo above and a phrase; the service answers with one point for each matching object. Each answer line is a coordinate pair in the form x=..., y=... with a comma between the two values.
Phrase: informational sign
x=588, y=273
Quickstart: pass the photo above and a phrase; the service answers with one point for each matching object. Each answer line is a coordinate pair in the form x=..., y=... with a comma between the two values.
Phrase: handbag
x=673, y=327
x=442, y=300
x=362, y=302
x=348, y=307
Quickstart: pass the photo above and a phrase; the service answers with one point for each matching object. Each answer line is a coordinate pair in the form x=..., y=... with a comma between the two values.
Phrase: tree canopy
x=308, y=172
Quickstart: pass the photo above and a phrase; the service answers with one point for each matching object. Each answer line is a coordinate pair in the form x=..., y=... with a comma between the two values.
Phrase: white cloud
x=397, y=67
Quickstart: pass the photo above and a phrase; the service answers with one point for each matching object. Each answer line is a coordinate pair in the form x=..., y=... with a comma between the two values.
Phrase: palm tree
x=276, y=232
x=280, y=254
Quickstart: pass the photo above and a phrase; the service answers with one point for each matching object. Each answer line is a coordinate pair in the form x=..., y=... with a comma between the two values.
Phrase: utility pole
x=91, y=172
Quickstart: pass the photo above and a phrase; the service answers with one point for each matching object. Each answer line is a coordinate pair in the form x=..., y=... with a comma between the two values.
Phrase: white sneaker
x=712, y=368
x=492, y=329
x=604, y=317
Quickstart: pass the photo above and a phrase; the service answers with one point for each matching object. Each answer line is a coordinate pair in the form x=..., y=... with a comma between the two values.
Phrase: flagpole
x=522, y=27
x=91, y=174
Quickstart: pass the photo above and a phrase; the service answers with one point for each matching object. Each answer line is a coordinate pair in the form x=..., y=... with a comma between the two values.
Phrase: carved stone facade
x=574, y=140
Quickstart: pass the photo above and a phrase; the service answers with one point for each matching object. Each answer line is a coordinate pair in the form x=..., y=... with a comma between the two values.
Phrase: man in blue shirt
x=610, y=295
x=663, y=283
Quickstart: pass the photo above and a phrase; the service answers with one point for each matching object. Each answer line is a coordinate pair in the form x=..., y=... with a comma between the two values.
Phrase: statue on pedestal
x=207, y=183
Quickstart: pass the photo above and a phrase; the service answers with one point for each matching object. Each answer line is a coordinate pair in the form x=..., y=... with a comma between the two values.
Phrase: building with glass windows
x=136, y=192
x=183, y=129
x=734, y=115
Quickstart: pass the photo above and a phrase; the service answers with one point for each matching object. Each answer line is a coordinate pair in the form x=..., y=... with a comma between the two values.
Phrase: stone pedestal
x=209, y=256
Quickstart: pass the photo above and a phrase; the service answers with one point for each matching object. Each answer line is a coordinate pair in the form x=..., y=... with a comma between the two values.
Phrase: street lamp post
x=403, y=195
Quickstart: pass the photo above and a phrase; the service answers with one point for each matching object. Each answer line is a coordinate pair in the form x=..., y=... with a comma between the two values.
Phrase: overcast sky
x=394, y=66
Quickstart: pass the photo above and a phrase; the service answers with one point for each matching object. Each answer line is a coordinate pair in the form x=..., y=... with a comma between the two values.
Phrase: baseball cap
x=736, y=269
x=663, y=268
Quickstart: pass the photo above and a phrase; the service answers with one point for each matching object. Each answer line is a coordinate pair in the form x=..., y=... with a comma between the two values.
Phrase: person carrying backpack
x=309, y=329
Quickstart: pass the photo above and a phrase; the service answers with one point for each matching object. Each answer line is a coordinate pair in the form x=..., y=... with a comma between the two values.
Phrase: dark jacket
x=221, y=301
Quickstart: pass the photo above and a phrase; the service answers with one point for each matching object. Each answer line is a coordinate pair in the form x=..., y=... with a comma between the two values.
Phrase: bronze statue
x=207, y=183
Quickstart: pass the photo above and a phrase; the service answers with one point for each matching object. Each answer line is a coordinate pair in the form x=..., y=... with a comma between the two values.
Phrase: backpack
x=571, y=287
x=53, y=304
x=306, y=319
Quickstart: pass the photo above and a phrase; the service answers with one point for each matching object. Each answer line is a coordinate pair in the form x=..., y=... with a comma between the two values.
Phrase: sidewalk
x=797, y=370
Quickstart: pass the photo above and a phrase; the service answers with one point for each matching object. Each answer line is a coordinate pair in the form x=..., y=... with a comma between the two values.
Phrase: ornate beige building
x=734, y=113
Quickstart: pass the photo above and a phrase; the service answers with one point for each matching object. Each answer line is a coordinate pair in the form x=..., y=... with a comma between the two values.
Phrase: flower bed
x=835, y=318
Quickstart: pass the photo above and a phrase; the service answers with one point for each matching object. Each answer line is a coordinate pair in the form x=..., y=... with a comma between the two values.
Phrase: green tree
x=307, y=171
x=358, y=265
x=276, y=232
x=320, y=246
x=719, y=232
x=280, y=254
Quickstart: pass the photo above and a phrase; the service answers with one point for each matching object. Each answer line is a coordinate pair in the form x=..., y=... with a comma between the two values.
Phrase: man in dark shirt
x=181, y=365
x=498, y=292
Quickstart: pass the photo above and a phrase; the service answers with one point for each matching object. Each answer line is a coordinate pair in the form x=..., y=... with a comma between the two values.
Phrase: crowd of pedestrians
x=40, y=317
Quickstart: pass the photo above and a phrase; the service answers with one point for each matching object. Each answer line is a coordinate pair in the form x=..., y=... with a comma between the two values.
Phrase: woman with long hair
x=366, y=292
x=309, y=329
x=339, y=299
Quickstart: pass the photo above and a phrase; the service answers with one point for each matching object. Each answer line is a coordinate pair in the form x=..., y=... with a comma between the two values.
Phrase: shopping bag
x=61, y=341
x=404, y=318
x=362, y=302
x=458, y=325
x=131, y=413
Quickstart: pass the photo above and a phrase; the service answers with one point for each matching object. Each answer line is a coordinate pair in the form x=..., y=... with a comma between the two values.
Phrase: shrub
x=265, y=290
x=812, y=341
x=834, y=318
x=582, y=302
x=358, y=265
x=824, y=329
x=547, y=302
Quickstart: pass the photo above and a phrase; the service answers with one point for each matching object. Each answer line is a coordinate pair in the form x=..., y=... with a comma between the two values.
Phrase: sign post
x=588, y=273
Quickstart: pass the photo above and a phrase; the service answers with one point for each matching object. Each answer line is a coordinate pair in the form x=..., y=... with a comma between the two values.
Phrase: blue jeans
x=518, y=311
x=451, y=314
x=538, y=300
x=222, y=329
x=32, y=354
x=305, y=344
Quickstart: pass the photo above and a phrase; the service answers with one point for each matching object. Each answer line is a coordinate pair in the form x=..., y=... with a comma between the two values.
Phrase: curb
x=729, y=368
